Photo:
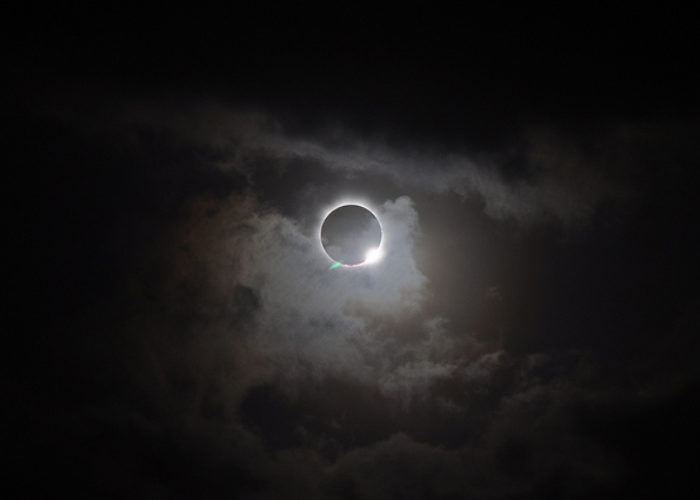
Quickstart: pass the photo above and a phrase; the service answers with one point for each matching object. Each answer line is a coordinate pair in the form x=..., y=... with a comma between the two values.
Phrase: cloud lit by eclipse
x=457, y=261
x=352, y=236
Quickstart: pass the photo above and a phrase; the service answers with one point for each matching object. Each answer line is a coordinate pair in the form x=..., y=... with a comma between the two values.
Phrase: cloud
x=260, y=283
x=399, y=467
x=235, y=334
x=314, y=318
x=560, y=178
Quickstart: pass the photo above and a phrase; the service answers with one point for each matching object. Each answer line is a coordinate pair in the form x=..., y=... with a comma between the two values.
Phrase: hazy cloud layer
x=474, y=362
x=565, y=179
x=305, y=319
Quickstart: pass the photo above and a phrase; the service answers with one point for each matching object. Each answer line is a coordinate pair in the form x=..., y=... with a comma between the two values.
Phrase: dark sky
x=173, y=327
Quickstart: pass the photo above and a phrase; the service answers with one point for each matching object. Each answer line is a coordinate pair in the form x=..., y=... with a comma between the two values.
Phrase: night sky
x=173, y=328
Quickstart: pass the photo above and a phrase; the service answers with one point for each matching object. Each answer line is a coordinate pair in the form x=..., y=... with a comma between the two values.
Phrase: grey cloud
x=567, y=183
x=400, y=467
x=269, y=308
x=304, y=322
x=230, y=337
x=313, y=315
x=299, y=317
x=567, y=180
x=303, y=317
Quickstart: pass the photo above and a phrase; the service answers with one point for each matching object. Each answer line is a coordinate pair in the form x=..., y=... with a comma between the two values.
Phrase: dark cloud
x=559, y=177
x=529, y=333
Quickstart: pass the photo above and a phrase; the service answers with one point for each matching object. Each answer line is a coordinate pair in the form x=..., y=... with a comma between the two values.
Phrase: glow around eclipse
x=351, y=236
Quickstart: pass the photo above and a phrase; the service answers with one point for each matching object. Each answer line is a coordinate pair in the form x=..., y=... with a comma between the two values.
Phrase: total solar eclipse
x=352, y=236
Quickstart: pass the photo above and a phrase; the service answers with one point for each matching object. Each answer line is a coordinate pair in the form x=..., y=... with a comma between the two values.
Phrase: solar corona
x=351, y=236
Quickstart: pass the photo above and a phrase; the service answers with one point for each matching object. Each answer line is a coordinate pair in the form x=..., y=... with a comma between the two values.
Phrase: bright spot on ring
x=351, y=236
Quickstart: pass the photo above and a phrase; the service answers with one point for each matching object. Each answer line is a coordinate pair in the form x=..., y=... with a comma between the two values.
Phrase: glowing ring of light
x=373, y=255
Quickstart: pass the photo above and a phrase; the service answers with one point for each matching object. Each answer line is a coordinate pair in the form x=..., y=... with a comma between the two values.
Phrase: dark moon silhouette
x=348, y=233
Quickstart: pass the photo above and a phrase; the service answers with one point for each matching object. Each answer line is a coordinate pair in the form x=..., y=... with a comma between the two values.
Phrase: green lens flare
x=334, y=265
